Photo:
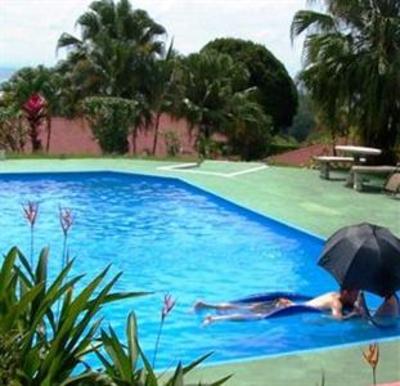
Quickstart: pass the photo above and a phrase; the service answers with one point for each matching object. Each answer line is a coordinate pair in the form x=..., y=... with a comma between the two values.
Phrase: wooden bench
x=326, y=163
x=357, y=174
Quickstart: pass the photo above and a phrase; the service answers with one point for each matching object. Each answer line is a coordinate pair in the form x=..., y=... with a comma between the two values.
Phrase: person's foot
x=208, y=320
x=199, y=305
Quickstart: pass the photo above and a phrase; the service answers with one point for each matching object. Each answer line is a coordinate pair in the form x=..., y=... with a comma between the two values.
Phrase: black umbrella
x=365, y=257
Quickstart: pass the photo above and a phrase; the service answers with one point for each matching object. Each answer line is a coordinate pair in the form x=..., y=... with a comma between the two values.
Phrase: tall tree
x=160, y=89
x=276, y=92
x=217, y=100
x=352, y=66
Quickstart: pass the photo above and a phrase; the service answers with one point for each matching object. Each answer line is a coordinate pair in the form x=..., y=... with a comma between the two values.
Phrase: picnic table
x=359, y=153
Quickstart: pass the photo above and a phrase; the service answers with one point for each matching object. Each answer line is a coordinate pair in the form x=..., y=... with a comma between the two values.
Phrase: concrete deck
x=298, y=197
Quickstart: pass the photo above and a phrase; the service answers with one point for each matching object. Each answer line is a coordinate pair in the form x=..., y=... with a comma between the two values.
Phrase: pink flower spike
x=66, y=219
x=169, y=304
x=31, y=210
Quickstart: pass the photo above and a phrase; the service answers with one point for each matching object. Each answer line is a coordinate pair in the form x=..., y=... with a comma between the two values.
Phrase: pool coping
x=182, y=179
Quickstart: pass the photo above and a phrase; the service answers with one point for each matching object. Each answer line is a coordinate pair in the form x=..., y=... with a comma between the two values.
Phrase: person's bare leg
x=221, y=306
x=232, y=318
x=283, y=302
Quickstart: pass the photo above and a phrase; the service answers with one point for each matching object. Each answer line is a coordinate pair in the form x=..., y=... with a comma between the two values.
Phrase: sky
x=29, y=29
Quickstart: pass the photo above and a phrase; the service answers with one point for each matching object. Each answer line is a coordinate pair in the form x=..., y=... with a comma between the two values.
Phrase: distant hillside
x=5, y=73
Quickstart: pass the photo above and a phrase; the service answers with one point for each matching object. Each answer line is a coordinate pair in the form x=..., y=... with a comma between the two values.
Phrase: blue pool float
x=303, y=308
x=280, y=311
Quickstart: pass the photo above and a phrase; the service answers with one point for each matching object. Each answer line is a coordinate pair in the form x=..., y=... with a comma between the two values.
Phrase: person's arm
x=350, y=315
x=232, y=318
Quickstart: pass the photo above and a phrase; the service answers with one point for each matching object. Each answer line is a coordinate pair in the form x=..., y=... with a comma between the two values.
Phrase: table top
x=359, y=149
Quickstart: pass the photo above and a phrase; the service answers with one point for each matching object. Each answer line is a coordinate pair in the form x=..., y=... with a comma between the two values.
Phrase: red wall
x=75, y=137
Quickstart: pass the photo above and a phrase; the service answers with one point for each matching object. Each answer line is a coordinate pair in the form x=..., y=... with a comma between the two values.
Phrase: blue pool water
x=169, y=237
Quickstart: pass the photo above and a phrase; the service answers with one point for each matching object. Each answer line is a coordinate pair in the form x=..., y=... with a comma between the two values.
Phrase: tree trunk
x=156, y=127
x=333, y=137
x=34, y=136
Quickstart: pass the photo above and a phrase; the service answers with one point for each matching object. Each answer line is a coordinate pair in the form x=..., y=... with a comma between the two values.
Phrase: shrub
x=110, y=119
x=13, y=132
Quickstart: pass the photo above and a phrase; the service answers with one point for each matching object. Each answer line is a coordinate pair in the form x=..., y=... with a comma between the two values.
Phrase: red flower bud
x=30, y=210
x=66, y=219
x=169, y=304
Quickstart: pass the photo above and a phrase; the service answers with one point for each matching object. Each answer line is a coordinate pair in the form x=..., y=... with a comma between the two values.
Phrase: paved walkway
x=298, y=197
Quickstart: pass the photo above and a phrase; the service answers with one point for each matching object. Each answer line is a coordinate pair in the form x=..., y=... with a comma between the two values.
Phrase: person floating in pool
x=342, y=305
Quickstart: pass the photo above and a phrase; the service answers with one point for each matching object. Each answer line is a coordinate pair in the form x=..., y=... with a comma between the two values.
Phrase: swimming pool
x=168, y=236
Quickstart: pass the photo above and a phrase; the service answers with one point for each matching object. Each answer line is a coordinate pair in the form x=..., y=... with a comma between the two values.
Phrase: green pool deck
x=300, y=198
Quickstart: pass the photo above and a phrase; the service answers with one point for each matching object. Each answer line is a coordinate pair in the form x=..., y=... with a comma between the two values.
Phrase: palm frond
x=311, y=21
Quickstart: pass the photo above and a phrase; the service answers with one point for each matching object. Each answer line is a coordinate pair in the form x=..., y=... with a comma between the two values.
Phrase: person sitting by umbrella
x=366, y=256
x=342, y=305
x=389, y=308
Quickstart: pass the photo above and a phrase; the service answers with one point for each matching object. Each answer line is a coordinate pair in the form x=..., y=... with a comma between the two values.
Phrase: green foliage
x=41, y=347
x=120, y=53
x=111, y=55
x=209, y=80
x=215, y=98
x=276, y=91
x=161, y=89
x=283, y=143
x=10, y=357
x=172, y=143
x=110, y=120
x=120, y=361
x=250, y=129
x=32, y=80
x=29, y=81
x=13, y=131
x=48, y=345
x=304, y=121
x=352, y=68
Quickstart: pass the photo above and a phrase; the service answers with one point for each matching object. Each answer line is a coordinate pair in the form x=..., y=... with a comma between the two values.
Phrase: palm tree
x=113, y=55
x=209, y=80
x=115, y=42
x=160, y=88
x=352, y=65
x=216, y=99
x=249, y=128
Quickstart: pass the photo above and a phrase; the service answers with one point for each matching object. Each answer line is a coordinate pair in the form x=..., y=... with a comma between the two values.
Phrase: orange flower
x=371, y=355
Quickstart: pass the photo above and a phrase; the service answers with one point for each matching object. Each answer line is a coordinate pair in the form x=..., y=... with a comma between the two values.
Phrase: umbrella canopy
x=365, y=257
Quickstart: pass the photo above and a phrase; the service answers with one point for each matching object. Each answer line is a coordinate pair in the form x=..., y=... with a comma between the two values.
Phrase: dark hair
x=345, y=302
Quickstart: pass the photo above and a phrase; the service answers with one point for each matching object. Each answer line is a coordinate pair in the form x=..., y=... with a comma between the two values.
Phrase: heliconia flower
x=371, y=355
x=66, y=219
x=169, y=304
x=31, y=210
